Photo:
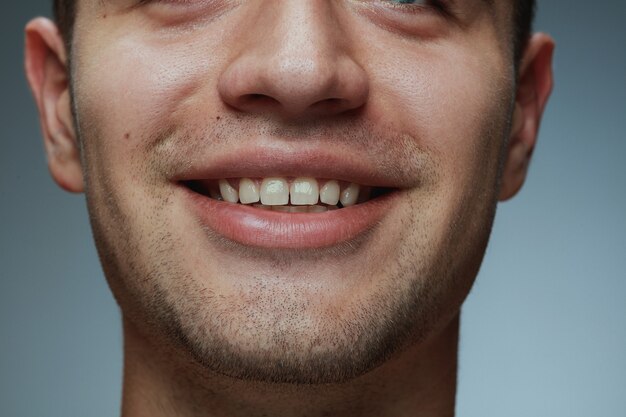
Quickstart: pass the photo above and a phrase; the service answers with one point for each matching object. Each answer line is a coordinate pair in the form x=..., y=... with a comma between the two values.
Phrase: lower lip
x=269, y=229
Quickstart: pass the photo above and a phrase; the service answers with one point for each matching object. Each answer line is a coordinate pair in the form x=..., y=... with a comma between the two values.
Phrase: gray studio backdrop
x=544, y=332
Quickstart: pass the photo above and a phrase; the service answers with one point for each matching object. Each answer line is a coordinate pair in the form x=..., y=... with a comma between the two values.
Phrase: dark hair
x=524, y=13
x=524, y=16
x=64, y=12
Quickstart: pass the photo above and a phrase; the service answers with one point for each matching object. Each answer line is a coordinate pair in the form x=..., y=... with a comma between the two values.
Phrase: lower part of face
x=147, y=104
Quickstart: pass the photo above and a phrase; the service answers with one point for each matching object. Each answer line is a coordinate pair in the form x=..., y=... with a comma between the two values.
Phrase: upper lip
x=294, y=161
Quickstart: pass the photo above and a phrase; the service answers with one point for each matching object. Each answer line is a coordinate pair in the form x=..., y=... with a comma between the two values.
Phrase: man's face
x=172, y=96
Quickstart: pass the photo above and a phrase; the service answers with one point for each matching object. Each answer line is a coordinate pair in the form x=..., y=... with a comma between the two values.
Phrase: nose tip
x=293, y=61
x=294, y=86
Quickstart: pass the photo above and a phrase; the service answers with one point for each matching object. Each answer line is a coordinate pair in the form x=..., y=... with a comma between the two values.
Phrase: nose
x=294, y=62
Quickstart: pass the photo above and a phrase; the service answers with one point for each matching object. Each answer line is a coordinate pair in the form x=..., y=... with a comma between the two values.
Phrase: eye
x=416, y=5
x=171, y=2
x=162, y=1
x=413, y=18
x=408, y=1
x=176, y=12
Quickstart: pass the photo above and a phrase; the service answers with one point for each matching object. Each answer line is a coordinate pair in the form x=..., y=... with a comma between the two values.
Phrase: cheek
x=454, y=102
x=133, y=88
x=130, y=92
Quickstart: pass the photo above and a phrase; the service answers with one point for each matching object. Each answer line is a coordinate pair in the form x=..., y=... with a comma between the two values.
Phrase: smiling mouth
x=282, y=198
x=287, y=194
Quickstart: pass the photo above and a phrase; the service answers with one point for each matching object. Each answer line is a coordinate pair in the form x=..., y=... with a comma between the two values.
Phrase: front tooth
x=329, y=194
x=274, y=192
x=228, y=192
x=248, y=191
x=350, y=195
x=304, y=192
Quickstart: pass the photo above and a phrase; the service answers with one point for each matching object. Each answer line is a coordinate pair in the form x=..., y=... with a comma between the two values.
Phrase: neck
x=419, y=382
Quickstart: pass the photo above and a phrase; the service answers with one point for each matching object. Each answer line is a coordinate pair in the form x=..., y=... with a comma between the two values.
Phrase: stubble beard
x=288, y=339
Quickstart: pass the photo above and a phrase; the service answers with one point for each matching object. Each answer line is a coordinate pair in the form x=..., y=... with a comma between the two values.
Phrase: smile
x=288, y=195
x=288, y=199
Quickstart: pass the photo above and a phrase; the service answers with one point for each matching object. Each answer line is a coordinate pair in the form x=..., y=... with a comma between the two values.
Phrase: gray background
x=544, y=329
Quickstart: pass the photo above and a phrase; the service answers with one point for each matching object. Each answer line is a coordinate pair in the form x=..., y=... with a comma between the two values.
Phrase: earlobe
x=48, y=77
x=533, y=90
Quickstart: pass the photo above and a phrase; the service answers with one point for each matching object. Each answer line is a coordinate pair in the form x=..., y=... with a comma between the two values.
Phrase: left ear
x=533, y=90
x=47, y=71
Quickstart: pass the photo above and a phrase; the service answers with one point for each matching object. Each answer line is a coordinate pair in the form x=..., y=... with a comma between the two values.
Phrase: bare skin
x=430, y=103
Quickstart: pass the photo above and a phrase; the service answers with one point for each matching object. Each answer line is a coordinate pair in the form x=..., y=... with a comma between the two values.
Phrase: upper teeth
x=274, y=192
x=277, y=191
x=248, y=191
x=329, y=194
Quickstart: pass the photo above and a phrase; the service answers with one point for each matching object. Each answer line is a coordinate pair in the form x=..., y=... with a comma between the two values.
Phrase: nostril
x=262, y=103
x=257, y=97
x=258, y=100
x=257, y=103
x=330, y=105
